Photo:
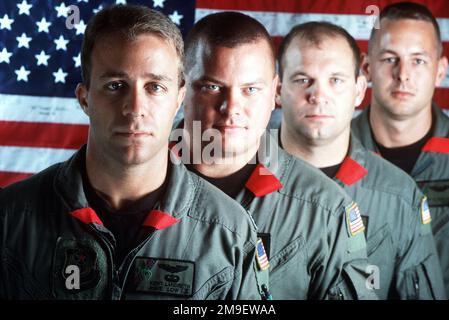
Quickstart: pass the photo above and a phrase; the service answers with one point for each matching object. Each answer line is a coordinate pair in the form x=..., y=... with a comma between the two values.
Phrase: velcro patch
x=437, y=192
x=163, y=276
x=425, y=212
x=354, y=219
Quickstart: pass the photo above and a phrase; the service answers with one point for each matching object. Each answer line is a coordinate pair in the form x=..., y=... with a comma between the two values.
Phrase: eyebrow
x=301, y=73
x=246, y=84
x=120, y=74
x=418, y=53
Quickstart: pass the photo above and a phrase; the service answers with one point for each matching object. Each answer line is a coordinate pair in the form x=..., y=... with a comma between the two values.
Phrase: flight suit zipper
x=112, y=273
x=129, y=260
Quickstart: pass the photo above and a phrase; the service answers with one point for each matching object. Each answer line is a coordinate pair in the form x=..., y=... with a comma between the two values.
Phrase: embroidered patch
x=79, y=269
x=261, y=256
x=163, y=276
x=437, y=192
x=354, y=220
x=425, y=212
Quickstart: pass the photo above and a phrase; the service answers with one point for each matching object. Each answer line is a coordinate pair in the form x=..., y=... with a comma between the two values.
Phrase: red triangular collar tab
x=350, y=172
x=262, y=182
x=87, y=216
x=159, y=220
x=437, y=144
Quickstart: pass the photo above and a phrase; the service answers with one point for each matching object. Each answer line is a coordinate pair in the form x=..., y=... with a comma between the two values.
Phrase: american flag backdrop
x=40, y=120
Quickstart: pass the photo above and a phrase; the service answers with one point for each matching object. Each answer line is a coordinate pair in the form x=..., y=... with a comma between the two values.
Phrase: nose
x=231, y=104
x=317, y=94
x=135, y=104
x=403, y=72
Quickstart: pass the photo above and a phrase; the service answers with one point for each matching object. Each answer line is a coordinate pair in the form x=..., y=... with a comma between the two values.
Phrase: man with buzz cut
x=118, y=220
x=405, y=63
x=319, y=90
x=311, y=242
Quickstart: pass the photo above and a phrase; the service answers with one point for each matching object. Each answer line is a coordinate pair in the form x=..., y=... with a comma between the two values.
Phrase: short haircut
x=408, y=10
x=315, y=33
x=227, y=29
x=128, y=22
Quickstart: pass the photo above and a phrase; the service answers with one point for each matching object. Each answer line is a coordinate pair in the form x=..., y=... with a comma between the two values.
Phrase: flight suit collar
x=438, y=143
x=366, y=137
x=353, y=168
x=173, y=205
x=266, y=177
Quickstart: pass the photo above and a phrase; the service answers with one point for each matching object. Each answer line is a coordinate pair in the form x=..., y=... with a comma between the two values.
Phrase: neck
x=319, y=154
x=392, y=132
x=119, y=184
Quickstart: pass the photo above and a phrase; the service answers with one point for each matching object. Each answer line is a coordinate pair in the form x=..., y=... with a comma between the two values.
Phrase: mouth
x=318, y=116
x=401, y=95
x=230, y=128
x=133, y=134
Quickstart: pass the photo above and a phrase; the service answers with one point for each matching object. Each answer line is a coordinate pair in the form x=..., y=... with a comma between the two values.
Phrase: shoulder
x=29, y=188
x=212, y=206
x=385, y=177
x=304, y=182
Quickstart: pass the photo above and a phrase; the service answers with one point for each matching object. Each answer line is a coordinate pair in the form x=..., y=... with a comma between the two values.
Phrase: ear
x=81, y=95
x=278, y=93
x=360, y=87
x=274, y=87
x=366, y=66
x=442, y=69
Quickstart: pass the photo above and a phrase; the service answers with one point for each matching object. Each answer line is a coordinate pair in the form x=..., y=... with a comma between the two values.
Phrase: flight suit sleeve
x=419, y=273
x=345, y=265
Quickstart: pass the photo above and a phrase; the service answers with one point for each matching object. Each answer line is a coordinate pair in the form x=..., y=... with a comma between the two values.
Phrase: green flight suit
x=302, y=218
x=431, y=173
x=400, y=243
x=196, y=243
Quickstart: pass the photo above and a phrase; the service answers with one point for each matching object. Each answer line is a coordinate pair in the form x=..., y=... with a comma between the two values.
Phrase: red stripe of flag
x=7, y=178
x=438, y=7
x=43, y=135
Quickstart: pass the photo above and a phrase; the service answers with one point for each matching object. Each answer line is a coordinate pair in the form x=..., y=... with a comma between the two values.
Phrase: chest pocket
x=79, y=270
x=382, y=255
x=437, y=192
x=289, y=277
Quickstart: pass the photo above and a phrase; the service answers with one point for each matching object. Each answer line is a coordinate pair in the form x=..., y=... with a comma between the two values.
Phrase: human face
x=132, y=98
x=404, y=66
x=233, y=91
x=319, y=91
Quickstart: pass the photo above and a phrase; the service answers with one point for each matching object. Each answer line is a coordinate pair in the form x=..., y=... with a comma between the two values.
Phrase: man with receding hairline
x=320, y=88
